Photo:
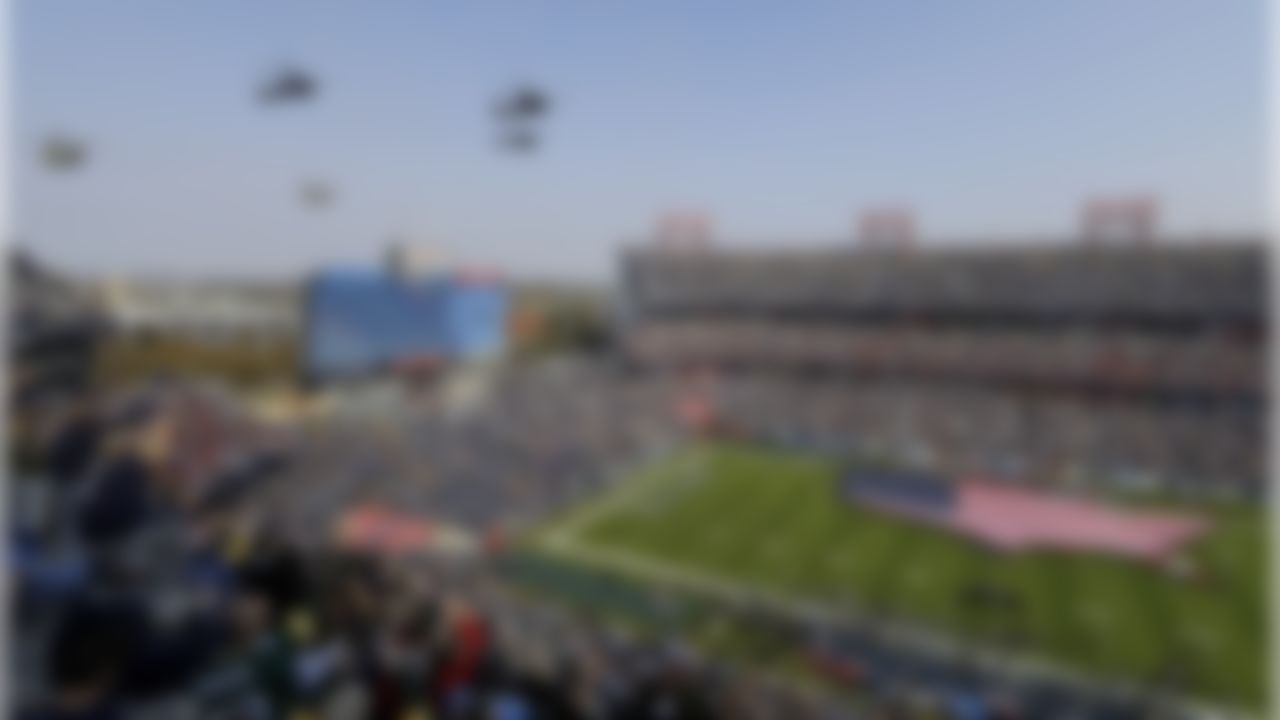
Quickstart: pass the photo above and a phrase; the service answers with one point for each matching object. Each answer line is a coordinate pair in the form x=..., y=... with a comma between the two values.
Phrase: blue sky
x=780, y=119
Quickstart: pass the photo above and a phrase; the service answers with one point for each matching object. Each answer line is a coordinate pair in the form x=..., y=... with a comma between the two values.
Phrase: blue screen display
x=361, y=321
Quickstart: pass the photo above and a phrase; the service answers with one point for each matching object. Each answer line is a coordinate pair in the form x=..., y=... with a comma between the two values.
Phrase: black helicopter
x=520, y=113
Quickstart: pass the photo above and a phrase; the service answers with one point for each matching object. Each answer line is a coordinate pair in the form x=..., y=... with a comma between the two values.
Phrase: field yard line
x=622, y=494
x=564, y=542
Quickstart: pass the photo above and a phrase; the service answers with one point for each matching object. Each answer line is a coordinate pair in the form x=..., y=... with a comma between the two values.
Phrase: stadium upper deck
x=1182, y=318
x=1178, y=285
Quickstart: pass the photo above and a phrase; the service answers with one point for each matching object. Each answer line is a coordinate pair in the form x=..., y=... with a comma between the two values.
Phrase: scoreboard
x=361, y=322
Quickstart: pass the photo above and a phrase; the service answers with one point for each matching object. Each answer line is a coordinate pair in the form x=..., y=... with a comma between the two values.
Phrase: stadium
x=912, y=448
x=962, y=441
x=1022, y=479
x=348, y=381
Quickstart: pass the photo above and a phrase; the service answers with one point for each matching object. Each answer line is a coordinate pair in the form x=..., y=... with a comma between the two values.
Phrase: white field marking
x=1097, y=615
x=1202, y=637
x=706, y=542
x=1008, y=663
x=919, y=582
x=776, y=547
x=717, y=536
x=622, y=498
x=918, y=575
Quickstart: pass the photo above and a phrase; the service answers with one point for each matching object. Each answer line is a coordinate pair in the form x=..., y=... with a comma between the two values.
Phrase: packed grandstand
x=1042, y=363
x=753, y=506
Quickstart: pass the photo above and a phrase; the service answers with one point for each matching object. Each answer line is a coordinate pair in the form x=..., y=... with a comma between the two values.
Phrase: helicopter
x=290, y=84
x=63, y=153
x=519, y=113
x=316, y=194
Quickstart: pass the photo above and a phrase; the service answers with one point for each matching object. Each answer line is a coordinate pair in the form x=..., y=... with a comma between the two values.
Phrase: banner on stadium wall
x=379, y=529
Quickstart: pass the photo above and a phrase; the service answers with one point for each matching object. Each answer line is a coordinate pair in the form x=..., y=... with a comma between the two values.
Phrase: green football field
x=760, y=518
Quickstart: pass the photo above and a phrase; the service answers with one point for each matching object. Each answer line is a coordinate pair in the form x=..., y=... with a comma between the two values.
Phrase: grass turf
x=775, y=520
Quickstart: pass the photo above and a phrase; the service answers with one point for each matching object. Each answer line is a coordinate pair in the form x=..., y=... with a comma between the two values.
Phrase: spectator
x=87, y=652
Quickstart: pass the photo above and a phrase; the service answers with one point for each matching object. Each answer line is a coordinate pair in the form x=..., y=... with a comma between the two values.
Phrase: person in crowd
x=76, y=443
x=86, y=657
x=117, y=499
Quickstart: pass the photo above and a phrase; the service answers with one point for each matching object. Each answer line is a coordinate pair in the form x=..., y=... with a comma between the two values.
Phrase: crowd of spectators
x=1211, y=281
x=1111, y=366
x=1220, y=367
x=183, y=565
x=172, y=558
x=160, y=576
x=543, y=438
x=1067, y=443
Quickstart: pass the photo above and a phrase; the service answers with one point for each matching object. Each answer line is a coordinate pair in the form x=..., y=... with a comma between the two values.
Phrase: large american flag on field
x=1011, y=518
